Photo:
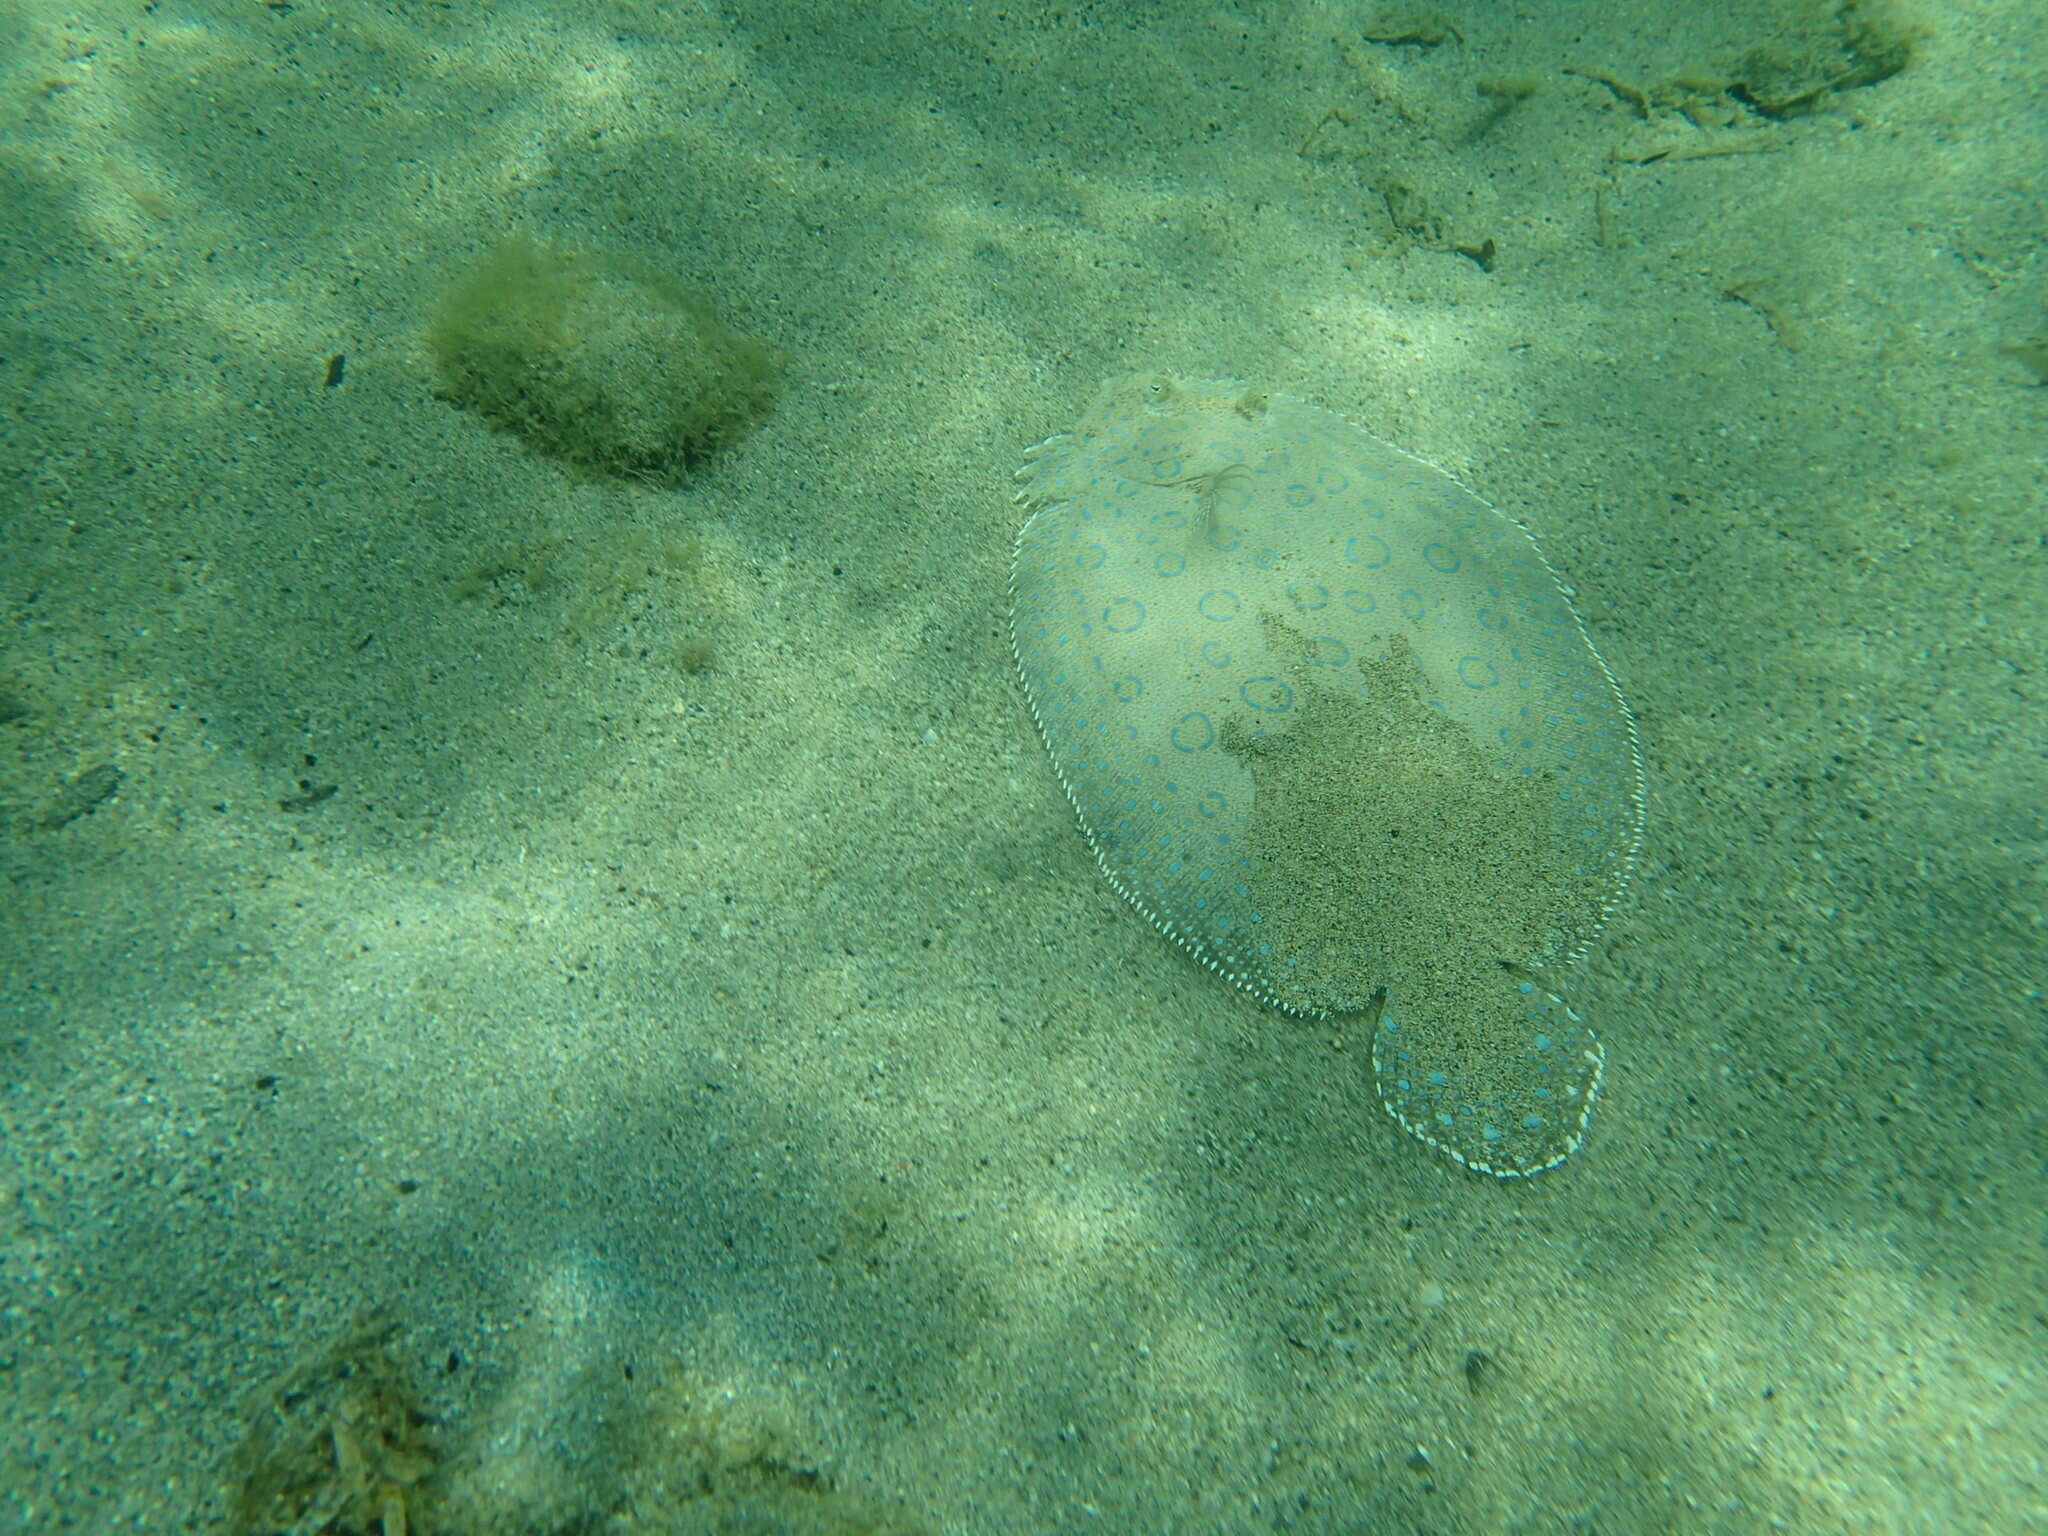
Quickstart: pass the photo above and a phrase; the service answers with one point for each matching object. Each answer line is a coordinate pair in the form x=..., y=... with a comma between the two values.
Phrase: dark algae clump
x=338, y=1444
x=343, y=1445
x=599, y=360
x=1827, y=47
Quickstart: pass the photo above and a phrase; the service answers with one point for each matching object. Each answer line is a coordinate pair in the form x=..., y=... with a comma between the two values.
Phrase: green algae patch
x=598, y=360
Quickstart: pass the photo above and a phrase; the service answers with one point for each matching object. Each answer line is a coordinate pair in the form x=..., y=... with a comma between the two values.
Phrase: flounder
x=1331, y=723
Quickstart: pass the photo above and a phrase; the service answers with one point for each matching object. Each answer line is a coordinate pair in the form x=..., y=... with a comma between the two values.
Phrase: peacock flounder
x=1331, y=723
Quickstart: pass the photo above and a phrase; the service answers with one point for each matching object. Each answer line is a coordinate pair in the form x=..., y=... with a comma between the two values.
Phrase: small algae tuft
x=1502, y=94
x=1422, y=27
x=694, y=655
x=1828, y=47
x=336, y=1444
x=598, y=360
x=342, y=1446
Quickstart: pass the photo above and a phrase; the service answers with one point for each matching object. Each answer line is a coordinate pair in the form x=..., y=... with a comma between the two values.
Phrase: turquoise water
x=533, y=996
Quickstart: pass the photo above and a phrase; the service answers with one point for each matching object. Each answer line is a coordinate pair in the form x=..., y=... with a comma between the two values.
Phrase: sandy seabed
x=552, y=1003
